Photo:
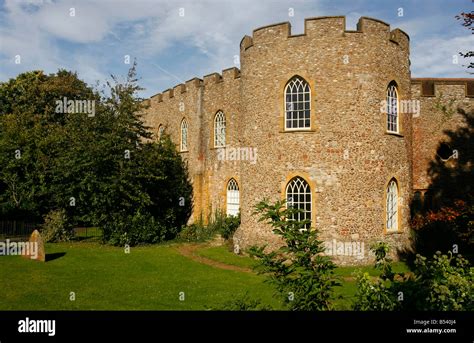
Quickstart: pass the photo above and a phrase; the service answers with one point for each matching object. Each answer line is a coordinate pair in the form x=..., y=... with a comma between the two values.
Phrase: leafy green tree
x=302, y=274
x=102, y=169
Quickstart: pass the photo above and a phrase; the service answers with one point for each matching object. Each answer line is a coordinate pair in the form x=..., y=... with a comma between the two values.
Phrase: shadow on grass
x=53, y=256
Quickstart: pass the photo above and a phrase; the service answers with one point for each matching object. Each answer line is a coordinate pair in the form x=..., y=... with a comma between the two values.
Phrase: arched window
x=298, y=195
x=184, y=135
x=392, y=206
x=392, y=108
x=297, y=104
x=161, y=130
x=233, y=198
x=219, y=130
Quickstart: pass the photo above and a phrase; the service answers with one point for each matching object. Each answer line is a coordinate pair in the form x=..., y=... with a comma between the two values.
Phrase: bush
x=230, y=224
x=373, y=296
x=135, y=229
x=444, y=283
x=377, y=295
x=218, y=222
x=439, y=230
x=56, y=227
x=245, y=303
x=195, y=232
x=302, y=274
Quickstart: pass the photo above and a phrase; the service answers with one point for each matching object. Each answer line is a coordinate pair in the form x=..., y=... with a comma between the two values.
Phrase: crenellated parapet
x=323, y=27
x=192, y=85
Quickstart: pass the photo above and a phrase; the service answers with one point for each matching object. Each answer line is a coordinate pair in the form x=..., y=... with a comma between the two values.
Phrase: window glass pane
x=297, y=103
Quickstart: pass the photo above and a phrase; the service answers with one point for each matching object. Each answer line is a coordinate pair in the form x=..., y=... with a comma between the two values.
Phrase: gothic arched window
x=161, y=131
x=392, y=108
x=297, y=104
x=233, y=198
x=298, y=195
x=219, y=130
x=392, y=206
x=184, y=135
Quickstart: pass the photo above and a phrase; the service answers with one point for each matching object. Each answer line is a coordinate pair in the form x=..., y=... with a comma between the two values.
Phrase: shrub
x=444, y=283
x=302, y=274
x=439, y=230
x=195, y=232
x=56, y=227
x=230, y=224
x=135, y=229
x=216, y=223
x=373, y=296
x=245, y=303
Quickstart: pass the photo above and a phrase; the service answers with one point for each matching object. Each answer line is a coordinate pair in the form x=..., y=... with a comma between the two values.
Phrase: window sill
x=394, y=134
x=299, y=131
x=184, y=151
x=392, y=232
x=218, y=147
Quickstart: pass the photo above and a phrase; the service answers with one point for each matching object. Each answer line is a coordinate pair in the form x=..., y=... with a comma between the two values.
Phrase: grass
x=105, y=278
x=149, y=278
x=345, y=293
x=224, y=255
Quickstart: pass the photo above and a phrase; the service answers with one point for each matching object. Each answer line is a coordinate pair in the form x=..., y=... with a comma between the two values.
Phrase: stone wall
x=429, y=126
x=198, y=101
x=347, y=157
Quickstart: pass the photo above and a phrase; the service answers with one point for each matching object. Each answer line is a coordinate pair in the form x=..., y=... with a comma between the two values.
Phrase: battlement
x=427, y=87
x=324, y=27
x=228, y=74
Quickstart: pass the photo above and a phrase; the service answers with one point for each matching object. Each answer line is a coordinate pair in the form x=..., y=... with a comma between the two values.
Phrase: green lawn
x=105, y=278
x=345, y=293
x=149, y=278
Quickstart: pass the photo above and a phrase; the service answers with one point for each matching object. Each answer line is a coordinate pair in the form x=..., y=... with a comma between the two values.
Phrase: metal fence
x=16, y=228
x=20, y=229
x=87, y=232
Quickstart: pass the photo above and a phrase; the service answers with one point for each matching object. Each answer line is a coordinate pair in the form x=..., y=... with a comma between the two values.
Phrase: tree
x=448, y=221
x=32, y=135
x=102, y=169
x=468, y=20
x=302, y=274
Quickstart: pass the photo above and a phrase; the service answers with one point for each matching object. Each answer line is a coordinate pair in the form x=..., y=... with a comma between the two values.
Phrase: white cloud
x=102, y=32
x=434, y=57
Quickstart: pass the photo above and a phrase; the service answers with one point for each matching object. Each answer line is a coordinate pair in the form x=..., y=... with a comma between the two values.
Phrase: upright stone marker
x=38, y=241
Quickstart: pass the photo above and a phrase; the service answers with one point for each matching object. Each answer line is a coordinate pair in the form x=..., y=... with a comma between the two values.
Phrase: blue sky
x=170, y=48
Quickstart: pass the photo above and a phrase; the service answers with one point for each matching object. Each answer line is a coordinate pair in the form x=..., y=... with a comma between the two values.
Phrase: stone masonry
x=347, y=157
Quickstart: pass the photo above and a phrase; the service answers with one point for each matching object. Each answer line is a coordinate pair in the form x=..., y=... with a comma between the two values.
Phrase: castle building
x=329, y=120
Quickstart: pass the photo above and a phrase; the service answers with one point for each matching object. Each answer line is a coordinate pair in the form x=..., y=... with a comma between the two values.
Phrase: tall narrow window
x=392, y=206
x=184, y=135
x=219, y=130
x=392, y=108
x=233, y=198
x=161, y=131
x=298, y=195
x=297, y=104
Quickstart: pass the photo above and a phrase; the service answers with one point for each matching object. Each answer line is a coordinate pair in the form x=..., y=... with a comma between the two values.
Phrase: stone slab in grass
x=36, y=251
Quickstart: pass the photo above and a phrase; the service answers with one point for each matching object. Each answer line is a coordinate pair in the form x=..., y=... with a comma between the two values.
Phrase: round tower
x=336, y=137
